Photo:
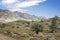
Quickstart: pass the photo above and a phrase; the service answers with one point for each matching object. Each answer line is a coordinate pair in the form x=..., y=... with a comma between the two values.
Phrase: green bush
x=2, y=25
x=8, y=31
x=37, y=27
x=54, y=25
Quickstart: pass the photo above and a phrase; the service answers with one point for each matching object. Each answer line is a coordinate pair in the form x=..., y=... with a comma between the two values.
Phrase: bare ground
x=4, y=37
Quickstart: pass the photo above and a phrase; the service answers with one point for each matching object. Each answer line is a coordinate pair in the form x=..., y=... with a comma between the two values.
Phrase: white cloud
x=17, y=5
x=21, y=10
x=27, y=4
x=9, y=1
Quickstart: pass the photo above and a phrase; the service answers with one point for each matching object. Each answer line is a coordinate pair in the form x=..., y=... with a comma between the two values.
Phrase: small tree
x=53, y=25
x=37, y=27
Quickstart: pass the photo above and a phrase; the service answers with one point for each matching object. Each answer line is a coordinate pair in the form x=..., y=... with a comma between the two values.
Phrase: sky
x=45, y=8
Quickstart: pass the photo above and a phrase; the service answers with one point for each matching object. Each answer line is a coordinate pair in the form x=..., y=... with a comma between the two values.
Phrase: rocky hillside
x=8, y=16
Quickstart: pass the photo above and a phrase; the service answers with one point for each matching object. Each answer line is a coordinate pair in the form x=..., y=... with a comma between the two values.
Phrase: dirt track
x=3, y=37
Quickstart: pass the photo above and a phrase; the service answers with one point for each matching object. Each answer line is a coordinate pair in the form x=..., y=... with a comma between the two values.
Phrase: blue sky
x=46, y=8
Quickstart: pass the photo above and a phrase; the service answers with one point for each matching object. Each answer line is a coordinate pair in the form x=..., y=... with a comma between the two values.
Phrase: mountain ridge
x=9, y=16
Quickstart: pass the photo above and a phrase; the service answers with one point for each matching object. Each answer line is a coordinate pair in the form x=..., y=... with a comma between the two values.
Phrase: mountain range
x=9, y=16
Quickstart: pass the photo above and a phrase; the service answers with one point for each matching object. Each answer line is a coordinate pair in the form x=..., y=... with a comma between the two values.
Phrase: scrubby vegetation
x=35, y=30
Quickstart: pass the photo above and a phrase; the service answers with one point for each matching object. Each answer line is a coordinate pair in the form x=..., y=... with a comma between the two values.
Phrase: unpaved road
x=3, y=37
